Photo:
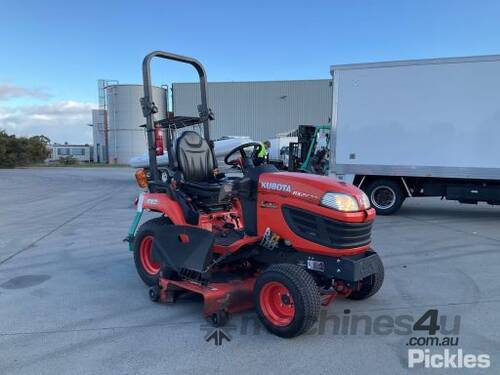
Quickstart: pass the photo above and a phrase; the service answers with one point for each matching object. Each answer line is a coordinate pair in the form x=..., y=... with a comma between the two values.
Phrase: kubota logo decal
x=276, y=186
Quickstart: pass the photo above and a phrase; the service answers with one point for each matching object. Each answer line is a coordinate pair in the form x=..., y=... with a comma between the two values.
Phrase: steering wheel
x=247, y=162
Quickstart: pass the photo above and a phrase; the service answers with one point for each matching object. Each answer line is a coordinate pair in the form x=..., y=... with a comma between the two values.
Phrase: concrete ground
x=72, y=303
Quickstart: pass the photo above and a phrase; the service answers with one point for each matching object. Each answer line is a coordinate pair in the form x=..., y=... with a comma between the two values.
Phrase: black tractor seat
x=196, y=164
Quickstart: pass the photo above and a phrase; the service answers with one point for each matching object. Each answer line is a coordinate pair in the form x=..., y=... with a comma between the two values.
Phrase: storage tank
x=126, y=138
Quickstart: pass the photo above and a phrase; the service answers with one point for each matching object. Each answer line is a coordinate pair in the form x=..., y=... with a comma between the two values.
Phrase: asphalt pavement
x=72, y=303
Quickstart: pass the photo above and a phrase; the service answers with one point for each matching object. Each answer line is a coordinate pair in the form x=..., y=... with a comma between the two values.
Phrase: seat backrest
x=194, y=157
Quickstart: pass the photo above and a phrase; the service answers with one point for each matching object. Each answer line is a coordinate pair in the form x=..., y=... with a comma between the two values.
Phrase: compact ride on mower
x=284, y=243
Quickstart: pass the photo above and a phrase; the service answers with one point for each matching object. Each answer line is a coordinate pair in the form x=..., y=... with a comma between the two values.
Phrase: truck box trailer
x=418, y=128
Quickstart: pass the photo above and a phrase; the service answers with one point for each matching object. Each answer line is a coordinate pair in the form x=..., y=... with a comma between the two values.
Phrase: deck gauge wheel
x=219, y=318
x=154, y=293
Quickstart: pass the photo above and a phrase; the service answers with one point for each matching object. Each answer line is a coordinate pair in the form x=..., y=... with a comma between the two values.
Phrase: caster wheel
x=219, y=318
x=154, y=293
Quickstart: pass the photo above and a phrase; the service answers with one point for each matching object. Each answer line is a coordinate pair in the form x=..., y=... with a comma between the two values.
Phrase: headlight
x=365, y=201
x=340, y=202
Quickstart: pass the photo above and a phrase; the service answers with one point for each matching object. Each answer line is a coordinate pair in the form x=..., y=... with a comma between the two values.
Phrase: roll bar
x=149, y=108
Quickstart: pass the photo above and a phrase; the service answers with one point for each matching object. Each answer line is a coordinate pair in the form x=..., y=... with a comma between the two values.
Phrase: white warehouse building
x=260, y=110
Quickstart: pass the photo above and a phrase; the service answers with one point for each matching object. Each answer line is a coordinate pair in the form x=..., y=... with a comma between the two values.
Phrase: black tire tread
x=308, y=292
x=400, y=197
x=149, y=226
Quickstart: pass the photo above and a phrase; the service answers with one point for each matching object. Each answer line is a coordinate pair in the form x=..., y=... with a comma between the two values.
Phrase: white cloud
x=9, y=90
x=63, y=121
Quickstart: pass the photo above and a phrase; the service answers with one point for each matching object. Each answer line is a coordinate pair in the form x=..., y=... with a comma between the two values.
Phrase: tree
x=21, y=151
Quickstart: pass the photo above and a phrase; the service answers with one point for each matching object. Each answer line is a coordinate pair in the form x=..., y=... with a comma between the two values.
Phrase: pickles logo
x=447, y=359
x=276, y=186
x=438, y=336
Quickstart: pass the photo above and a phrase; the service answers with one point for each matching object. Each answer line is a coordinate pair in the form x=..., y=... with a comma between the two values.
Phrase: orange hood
x=305, y=186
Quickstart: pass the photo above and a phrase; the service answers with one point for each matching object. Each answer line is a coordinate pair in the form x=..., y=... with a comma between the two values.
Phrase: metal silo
x=125, y=138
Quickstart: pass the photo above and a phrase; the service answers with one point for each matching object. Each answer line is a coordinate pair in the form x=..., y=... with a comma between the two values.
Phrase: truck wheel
x=287, y=300
x=386, y=196
x=369, y=285
x=147, y=268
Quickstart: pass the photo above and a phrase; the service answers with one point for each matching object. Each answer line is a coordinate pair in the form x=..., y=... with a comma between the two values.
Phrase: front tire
x=147, y=267
x=386, y=196
x=287, y=300
x=369, y=285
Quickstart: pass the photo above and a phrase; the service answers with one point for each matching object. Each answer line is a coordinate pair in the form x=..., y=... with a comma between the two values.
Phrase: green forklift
x=311, y=152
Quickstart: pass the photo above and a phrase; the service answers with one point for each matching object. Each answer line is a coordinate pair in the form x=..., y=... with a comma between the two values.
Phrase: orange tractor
x=283, y=243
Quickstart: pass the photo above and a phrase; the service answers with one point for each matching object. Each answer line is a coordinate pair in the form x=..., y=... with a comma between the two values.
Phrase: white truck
x=418, y=128
x=278, y=153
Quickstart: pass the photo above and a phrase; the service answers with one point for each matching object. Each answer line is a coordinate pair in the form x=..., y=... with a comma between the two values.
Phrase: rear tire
x=369, y=285
x=386, y=196
x=287, y=300
x=147, y=268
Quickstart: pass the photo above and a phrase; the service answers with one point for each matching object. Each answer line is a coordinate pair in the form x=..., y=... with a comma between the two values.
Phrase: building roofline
x=271, y=81
x=131, y=84
x=441, y=60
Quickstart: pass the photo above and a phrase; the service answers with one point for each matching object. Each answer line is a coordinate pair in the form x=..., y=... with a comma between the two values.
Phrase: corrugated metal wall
x=258, y=109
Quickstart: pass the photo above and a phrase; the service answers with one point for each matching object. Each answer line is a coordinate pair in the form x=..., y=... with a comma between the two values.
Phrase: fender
x=160, y=202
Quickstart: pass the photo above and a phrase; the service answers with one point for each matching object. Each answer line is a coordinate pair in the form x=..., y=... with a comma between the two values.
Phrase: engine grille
x=326, y=231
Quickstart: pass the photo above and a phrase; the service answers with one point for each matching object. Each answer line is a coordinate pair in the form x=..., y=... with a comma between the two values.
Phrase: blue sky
x=54, y=51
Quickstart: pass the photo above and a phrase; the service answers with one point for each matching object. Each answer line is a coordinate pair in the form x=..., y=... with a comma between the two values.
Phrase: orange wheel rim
x=277, y=304
x=146, y=256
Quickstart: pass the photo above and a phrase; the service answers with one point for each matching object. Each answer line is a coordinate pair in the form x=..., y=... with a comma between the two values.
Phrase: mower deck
x=220, y=298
